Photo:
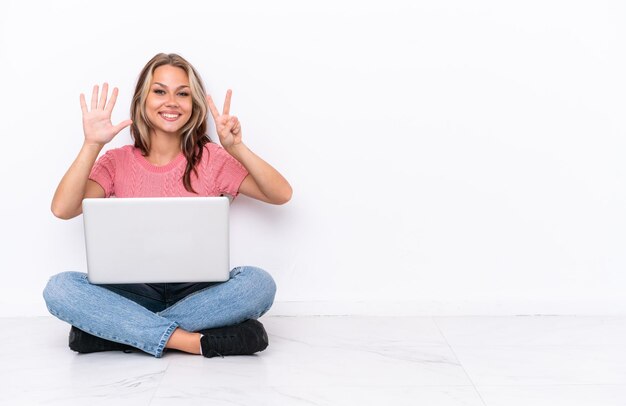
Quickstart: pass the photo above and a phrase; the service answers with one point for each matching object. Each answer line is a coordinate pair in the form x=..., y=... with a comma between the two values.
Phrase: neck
x=163, y=147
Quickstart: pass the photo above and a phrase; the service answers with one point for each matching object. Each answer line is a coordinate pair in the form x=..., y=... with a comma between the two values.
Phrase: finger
x=109, y=107
x=230, y=124
x=235, y=122
x=229, y=94
x=103, y=96
x=83, y=104
x=236, y=125
x=94, y=98
x=122, y=125
x=214, y=112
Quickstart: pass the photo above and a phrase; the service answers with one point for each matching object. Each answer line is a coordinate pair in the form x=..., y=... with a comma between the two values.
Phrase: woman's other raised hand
x=228, y=127
x=97, y=120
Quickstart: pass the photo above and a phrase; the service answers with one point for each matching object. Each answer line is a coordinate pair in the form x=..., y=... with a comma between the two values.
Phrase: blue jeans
x=145, y=315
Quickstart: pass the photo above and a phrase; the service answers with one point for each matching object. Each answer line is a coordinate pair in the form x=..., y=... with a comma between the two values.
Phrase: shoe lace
x=224, y=344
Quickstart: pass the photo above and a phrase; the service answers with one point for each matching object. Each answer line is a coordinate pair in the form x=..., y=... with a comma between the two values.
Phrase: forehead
x=170, y=75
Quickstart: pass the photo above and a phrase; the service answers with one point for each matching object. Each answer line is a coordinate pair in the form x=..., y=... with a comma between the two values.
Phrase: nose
x=171, y=101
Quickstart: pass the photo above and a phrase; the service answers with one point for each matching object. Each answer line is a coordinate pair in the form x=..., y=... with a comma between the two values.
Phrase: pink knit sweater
x=124, y=172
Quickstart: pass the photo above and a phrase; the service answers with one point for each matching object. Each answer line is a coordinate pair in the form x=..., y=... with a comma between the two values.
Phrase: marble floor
x=492, y=361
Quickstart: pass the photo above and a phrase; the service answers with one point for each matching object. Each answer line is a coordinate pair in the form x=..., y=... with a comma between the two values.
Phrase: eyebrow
x=178, y=88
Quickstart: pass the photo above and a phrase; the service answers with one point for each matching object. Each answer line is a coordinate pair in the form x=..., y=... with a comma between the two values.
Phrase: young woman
x=171, y=156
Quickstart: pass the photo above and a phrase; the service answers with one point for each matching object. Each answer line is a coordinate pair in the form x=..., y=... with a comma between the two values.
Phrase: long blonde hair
x=194, y=132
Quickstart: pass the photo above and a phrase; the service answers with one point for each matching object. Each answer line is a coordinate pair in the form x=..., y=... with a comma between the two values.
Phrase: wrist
x=236, y=150
x=92, y=146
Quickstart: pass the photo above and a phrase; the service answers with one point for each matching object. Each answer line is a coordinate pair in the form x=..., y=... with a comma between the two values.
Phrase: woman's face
x=169, y=104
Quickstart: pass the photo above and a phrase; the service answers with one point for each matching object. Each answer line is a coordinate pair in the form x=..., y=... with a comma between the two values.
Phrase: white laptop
x=157, y=240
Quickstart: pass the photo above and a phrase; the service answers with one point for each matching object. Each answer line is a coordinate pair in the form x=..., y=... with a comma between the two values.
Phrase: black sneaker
x=85, y=343
x=241, y=339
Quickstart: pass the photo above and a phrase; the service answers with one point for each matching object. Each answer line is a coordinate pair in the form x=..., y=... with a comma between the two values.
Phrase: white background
x=447, y=157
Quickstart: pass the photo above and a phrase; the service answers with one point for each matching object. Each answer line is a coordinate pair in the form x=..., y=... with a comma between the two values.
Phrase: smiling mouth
x=169, y=117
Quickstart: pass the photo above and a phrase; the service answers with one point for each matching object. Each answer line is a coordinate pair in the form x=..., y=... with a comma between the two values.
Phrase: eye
x=183, y=94
x=159, y=91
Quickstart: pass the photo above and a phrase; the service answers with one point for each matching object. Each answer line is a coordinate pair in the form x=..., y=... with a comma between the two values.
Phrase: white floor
x=337, y=361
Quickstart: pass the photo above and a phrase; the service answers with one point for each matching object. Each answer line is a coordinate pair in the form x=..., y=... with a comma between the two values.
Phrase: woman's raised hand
x=228, y=127
x=97, y=121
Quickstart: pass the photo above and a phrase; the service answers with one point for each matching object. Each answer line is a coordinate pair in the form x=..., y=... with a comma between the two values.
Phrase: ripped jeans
x=145, y=315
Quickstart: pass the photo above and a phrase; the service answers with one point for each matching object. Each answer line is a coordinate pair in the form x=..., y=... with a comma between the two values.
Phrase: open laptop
x=157, y=240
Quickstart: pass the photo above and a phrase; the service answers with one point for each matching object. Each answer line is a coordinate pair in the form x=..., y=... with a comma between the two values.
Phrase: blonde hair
x=193, y=133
